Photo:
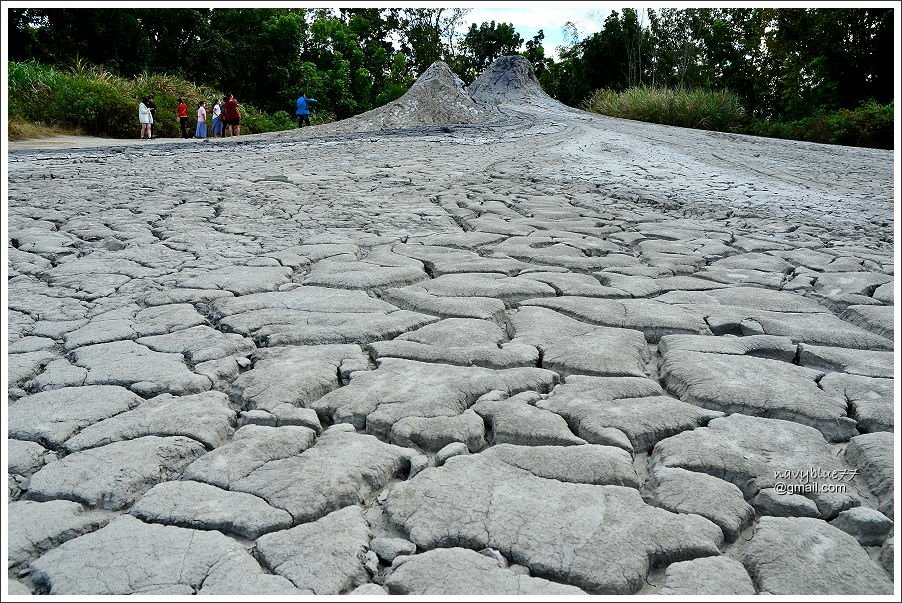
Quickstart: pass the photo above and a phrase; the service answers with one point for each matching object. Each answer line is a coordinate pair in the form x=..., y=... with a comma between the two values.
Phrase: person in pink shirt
x=201, y=121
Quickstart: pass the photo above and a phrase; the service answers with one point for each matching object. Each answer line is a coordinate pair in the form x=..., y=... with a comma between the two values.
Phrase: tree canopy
x=783, y=62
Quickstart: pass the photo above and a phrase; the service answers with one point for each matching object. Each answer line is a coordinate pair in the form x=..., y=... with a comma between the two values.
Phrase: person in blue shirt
x=303, y=109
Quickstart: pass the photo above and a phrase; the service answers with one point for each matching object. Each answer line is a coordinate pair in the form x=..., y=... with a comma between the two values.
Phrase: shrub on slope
x=870, y=125
x=94, y=101
x=695, y=108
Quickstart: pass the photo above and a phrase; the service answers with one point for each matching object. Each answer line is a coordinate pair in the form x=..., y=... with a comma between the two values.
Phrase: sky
x=529, y=18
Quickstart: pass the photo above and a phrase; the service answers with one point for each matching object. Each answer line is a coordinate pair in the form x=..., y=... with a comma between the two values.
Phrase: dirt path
x=85, y=142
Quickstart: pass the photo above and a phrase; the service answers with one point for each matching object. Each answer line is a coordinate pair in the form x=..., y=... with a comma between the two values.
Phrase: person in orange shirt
x=183, y=118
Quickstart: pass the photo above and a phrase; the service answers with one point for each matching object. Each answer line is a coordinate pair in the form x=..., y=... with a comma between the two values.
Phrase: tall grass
x=870, y=125
x=20, y=129
x=688, y=108
x=90, y=99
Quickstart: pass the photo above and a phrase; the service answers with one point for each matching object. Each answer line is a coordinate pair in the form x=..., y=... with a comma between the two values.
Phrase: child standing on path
x=201, y=121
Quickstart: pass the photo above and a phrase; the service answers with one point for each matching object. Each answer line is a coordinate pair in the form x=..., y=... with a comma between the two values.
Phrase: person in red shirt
x=183, y=118
x=232, y=117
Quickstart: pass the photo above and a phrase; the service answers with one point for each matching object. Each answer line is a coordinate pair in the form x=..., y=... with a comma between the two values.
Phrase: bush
x=91, y=105
x=99, y=103
x=254, y=121
x=870, y=125
x=718, y=110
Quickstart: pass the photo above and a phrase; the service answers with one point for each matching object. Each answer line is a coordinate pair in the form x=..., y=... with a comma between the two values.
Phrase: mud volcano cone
x=509, y=79
x=437, y=97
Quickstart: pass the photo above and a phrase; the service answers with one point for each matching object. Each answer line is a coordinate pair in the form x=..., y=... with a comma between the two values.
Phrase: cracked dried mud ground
x=538, y=352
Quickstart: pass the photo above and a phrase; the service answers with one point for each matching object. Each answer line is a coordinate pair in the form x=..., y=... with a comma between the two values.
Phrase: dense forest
x=782, y=64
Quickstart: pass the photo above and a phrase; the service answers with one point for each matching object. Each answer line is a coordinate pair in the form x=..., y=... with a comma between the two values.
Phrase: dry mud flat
x=474, y=342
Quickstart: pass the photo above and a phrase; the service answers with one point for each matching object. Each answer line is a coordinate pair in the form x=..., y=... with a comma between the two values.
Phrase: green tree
x=397, y=83
x=535, y=53
x=422, y=37
x=23, y=34
x=786, y=63
x=346, y=83
x=487, y=42
x=254, y=54
x=599, y=61
x=374, y=28
x=831, y=58
x=114, y=38
x=431, y=34
x=178, y=40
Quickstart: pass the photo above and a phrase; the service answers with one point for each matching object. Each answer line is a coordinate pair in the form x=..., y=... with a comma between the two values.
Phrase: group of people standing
x=226, y=118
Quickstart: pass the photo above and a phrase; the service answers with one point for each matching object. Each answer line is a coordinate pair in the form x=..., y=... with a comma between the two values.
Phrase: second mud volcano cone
x=509, y=79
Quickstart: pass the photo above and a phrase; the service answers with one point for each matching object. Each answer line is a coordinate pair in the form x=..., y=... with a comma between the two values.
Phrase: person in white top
x=217, y=120
x=145, y=117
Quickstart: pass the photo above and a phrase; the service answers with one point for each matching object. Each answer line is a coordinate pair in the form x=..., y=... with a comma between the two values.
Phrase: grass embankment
x=870, y=125
x=698, y=109
x=89, y=100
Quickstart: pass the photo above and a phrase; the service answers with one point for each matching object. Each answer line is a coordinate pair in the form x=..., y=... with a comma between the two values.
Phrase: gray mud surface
x=473, y=342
